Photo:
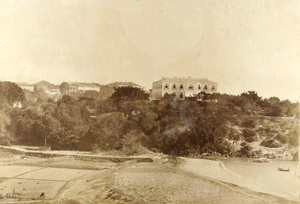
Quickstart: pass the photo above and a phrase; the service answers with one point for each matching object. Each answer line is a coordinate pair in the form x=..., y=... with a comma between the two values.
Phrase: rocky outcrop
x=262, y=160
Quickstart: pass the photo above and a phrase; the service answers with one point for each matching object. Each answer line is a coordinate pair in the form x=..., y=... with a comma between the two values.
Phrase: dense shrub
x=234, y=135
x=245, y=150
x=248, y=123
x=271, y=143
x=275, y=110
x=11, y=92
x=281, y=138
x=128, y=94
x=127, y=121
x=249, y=135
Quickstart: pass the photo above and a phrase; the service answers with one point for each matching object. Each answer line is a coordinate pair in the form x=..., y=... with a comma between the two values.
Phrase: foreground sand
x=162, y=181
x=167, y=184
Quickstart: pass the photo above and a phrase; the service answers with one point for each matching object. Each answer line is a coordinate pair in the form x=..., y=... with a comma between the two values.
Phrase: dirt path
x=92, y=188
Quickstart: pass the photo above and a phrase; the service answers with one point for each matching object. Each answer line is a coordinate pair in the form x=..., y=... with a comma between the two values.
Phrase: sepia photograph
x=149, y=101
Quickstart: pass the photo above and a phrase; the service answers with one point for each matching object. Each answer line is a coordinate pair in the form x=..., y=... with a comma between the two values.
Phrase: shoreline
x=242, y=172
x=132, y=181
x=217, y=170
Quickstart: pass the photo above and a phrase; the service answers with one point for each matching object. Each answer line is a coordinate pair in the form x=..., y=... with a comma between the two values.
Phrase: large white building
x=182, y=87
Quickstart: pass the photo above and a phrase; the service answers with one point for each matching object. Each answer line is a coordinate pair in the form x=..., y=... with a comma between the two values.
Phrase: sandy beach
x=168, y=184
x=68, y=180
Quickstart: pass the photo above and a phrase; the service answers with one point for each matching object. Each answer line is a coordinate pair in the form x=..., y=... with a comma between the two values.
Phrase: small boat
x=281, y=169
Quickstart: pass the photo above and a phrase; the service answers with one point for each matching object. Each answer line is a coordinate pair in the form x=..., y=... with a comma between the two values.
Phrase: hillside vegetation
x=128, y=122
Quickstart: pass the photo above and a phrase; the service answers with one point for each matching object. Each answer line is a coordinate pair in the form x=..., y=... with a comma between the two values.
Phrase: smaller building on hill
x=78, y=87
x=47, y=87
x=26, y=86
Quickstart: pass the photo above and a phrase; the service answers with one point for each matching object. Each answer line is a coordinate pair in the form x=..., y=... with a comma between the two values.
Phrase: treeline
x=128, y=120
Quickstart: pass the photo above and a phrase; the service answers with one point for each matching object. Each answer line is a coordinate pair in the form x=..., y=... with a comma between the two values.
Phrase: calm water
x=267, y=174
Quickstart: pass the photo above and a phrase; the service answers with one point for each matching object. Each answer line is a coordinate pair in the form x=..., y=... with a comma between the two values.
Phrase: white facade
x=74, y=87
x=182, y=87
x=27, y=87
x=88, y=87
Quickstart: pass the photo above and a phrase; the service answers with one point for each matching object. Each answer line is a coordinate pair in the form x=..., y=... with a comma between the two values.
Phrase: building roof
x=23, y=84
x=117, y=84
x=203, y=80
x=88, y=84
x=83, y=84
x=208, y=81
x=47, y=85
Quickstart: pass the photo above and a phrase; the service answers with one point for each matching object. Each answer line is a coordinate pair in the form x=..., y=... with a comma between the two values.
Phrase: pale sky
x=241, y=45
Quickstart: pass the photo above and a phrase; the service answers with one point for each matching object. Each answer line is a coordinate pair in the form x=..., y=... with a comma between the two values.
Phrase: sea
x=268, y=175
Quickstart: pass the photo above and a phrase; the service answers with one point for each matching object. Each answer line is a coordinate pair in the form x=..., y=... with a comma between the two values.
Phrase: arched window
x=213, y=88
x=166, y=86
x=205, y=87
x=191, y=87
x=174, y=86
x=181, y=95
x=181, y=86
x=199, y=86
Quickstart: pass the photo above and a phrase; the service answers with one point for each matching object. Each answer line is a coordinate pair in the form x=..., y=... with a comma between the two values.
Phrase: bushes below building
x=128, y=121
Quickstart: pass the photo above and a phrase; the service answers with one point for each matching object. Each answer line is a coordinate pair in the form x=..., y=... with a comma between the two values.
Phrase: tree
x=167, y=97
x=105, y=106
x=204, y=96
x=249, y=135
x=5, y=136
x=30, y=127
x=107, y=131
x=128, y=94
x=96, y=95
x=11, y=92
x=245, y=150
x=264, y=104
x=63, y=87
x=274, y=100
x=248, y=123
x=251, y=96
x=68, y=106
x=275, y=110
x=106, y=92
